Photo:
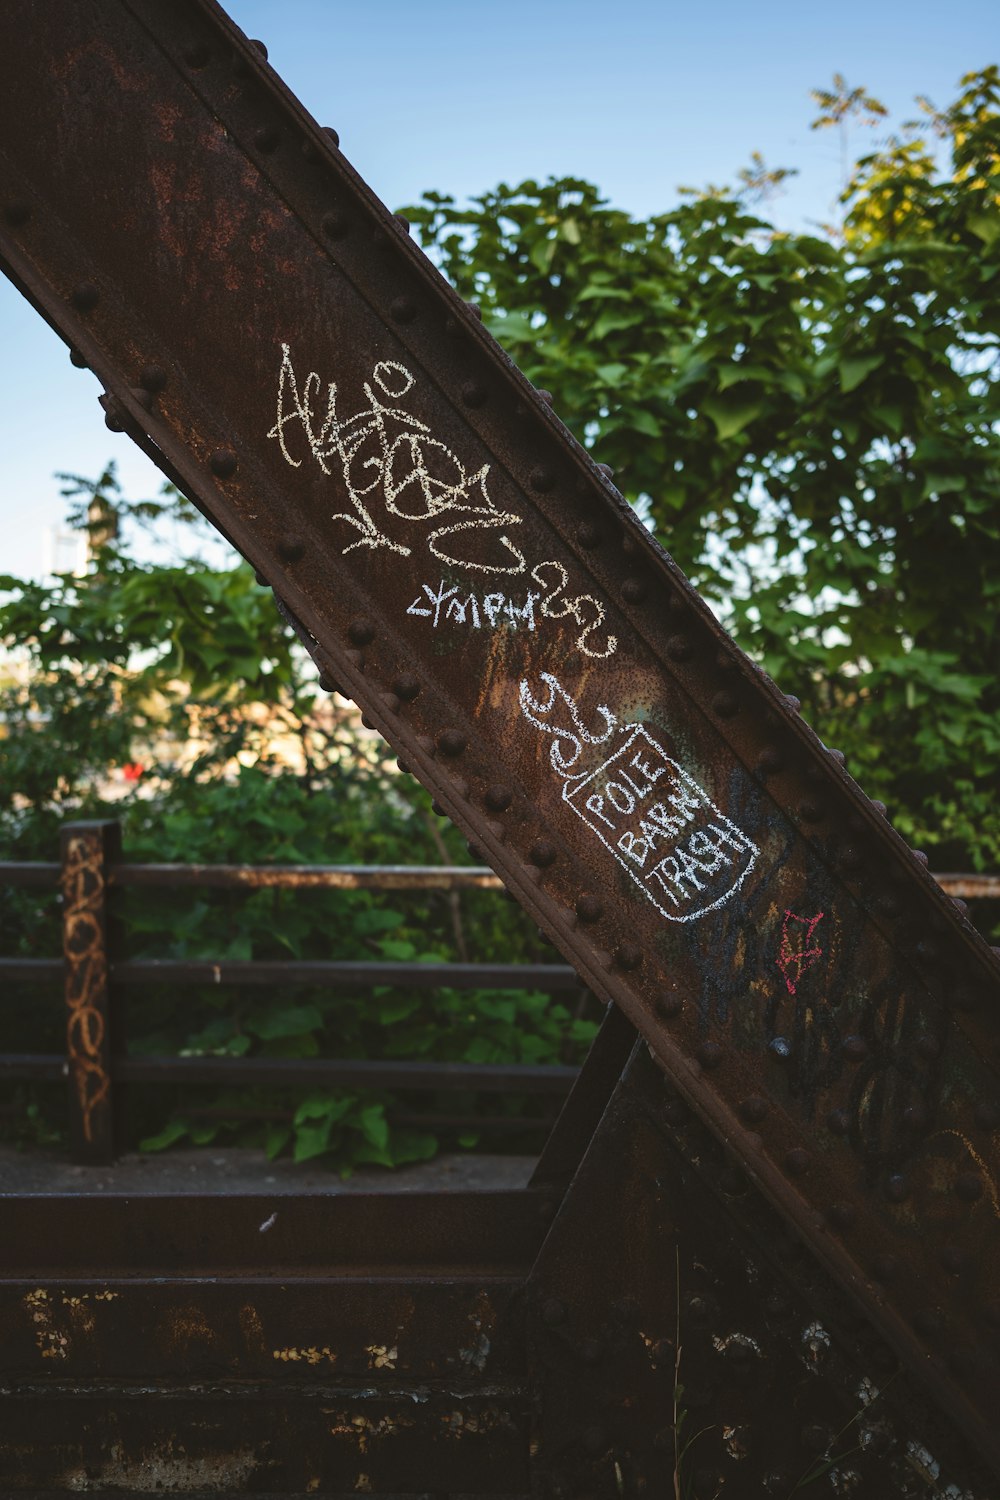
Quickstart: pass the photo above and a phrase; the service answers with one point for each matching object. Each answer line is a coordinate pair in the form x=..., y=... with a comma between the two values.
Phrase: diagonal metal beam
x=267, y=331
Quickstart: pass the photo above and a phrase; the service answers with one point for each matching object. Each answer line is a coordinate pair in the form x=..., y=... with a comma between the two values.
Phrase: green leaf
x=311, y=1141
x=731, y=414
x=612, y=374
x=645, y=422
x=290, y=1021
x=856, y=368
x=276, y=1138
x=374, y=1126
x=986, y=227
x=168, y=1136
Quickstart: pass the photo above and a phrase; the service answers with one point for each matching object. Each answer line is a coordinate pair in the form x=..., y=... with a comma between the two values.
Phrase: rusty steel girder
x=455, y=560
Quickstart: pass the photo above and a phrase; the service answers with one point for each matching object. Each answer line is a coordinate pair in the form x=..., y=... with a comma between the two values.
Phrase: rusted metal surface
x=683, y=1337
x=319, y=1440
x=462, y=568
x=381, y=1332
x=448, y=1233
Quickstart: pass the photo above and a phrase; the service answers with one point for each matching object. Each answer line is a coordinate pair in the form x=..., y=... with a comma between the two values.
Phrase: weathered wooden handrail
x=96, y=1061
x=25, y=873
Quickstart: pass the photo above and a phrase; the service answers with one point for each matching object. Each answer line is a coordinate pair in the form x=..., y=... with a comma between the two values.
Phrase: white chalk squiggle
x=532, y=708
x=393, y=466
x=386, y=453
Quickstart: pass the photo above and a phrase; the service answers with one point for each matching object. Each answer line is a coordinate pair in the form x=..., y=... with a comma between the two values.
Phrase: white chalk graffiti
x=398, y=476
x=384, y=451
x=685, y=855
x=455, y=606
x=587, y=611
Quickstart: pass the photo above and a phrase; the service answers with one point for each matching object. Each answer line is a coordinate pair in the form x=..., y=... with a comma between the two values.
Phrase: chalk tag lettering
x=681, y=850
x=684, y=854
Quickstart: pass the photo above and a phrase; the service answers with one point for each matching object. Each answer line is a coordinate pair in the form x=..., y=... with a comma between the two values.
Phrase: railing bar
x=333, y=877
x=34, y=970
x=970, y=887
x=33, y=1065
x=29, y=872
x=357, y=877
x=346, y=975
x=350, y=1072
x=532, y=1078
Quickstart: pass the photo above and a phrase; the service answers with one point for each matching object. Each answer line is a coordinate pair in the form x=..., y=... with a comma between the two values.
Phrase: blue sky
x=453, y=96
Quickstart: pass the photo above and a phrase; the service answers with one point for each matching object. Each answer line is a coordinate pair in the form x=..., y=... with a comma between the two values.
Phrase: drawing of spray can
x=678, y=847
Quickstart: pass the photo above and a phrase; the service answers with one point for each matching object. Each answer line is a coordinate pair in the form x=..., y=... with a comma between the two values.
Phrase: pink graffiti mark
x=797, y=953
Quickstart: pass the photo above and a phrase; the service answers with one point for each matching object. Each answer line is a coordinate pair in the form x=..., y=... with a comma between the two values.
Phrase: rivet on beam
x=223, y=463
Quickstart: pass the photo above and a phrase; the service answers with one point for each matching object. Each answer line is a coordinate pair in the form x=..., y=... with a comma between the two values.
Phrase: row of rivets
x=404, y=310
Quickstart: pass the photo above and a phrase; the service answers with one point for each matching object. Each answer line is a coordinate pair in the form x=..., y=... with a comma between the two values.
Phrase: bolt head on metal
x=153, y=378
x=223, y=463
x=85, y=297
x=473, y=394
x=361, y=632
x=450, y=741
x=629, y=955
x=403, y=309
x=590, y=908
x=113, y=415
x=770, y=761
x=335, y=225
x=753, y=1109
x=542, y=853
x=498, y=798
x=668, y=1005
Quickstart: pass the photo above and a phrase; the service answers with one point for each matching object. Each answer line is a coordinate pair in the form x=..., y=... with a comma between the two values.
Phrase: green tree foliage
x=187, y=673
x=811, y=419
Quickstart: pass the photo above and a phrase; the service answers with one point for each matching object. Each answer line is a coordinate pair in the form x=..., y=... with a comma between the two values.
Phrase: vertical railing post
x=87, y=850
